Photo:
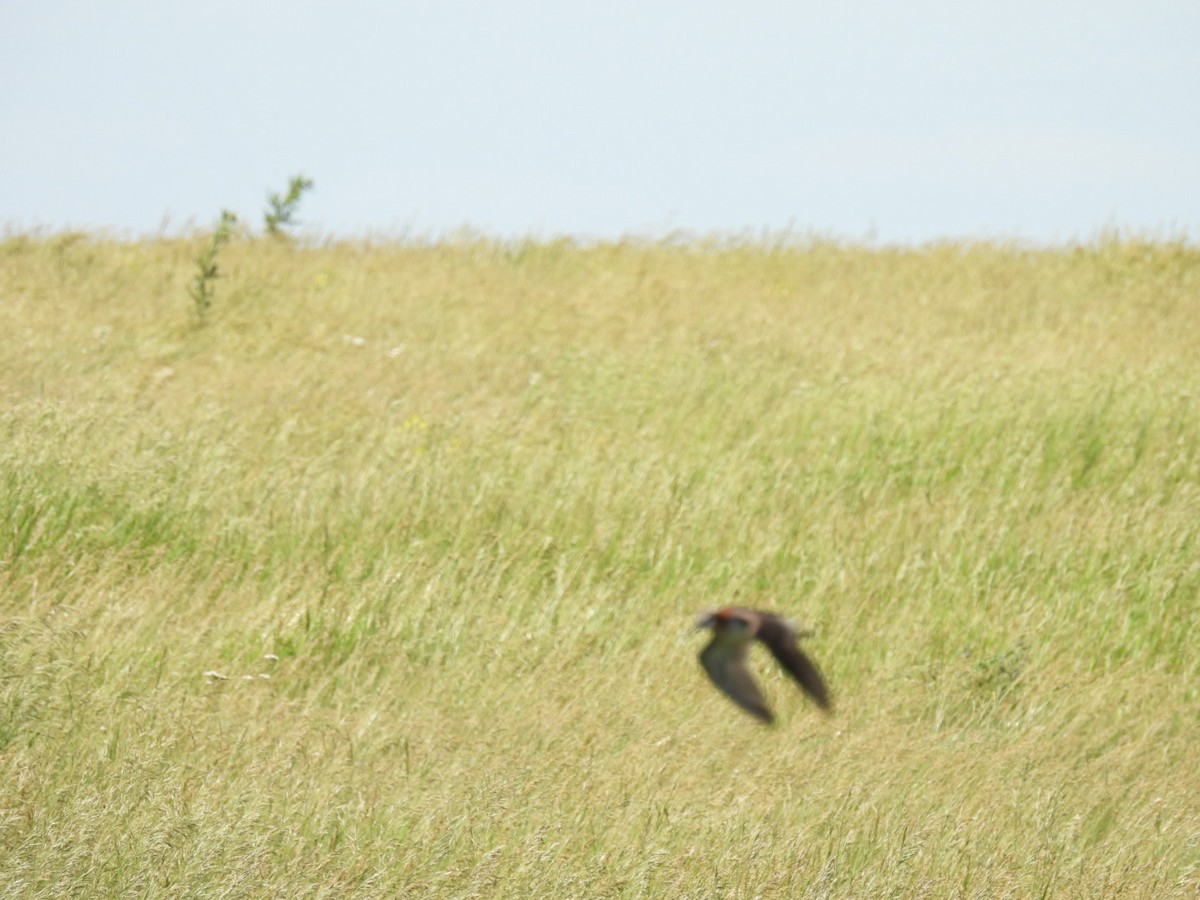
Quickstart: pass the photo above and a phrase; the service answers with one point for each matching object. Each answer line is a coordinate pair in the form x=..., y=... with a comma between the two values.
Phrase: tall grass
x=380, y=584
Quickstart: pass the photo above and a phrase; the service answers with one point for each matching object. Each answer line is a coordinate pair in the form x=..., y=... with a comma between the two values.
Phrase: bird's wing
x=724, y=659
x=780, y=639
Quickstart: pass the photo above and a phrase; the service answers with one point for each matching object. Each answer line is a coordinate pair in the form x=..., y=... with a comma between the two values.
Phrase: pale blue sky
x=897, y=122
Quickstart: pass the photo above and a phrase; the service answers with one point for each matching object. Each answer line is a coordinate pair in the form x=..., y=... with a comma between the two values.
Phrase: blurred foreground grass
x=379, y=583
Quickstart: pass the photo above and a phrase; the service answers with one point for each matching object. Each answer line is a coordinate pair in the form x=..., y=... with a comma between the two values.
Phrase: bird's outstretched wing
x=780, y=639
x=724, y=659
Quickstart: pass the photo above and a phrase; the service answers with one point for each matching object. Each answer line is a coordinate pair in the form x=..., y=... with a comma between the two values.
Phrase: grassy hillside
x=379, y=581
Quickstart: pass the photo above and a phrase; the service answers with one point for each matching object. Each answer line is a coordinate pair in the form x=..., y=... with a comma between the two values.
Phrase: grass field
x=379, y=581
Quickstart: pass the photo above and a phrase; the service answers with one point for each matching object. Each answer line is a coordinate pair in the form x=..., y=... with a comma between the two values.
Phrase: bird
x=724, y=657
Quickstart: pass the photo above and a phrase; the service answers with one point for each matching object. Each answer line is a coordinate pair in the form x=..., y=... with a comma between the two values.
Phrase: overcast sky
x=893, y=122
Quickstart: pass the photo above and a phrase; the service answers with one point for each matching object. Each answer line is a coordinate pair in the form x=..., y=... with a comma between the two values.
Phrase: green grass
x=460, y=502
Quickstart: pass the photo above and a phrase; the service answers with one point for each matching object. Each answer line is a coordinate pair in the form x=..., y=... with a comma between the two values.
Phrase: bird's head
x=724, y=619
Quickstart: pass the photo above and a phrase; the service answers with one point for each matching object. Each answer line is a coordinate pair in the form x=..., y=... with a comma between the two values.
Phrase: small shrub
x=201, y=288
x=281, y=208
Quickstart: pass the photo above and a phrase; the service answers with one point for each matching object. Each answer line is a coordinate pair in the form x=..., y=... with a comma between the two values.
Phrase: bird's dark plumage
x=724, y=658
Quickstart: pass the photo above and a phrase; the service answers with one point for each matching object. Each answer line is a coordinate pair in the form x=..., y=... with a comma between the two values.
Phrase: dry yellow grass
x=378, y=583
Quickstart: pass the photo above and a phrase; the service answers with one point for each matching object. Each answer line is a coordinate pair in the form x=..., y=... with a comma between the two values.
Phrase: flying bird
x=724, y=658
